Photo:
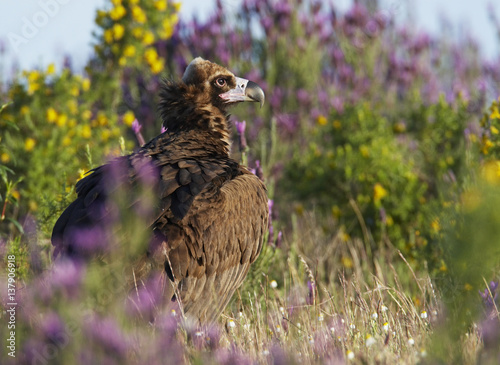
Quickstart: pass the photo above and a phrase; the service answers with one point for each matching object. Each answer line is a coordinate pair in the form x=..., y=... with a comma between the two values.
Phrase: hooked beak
x=244, y=91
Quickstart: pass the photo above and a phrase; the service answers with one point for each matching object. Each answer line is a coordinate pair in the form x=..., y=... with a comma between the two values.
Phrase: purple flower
x=240, y=128
x=67, y=275
x=136, y=128
x=105, y=333
x=147, y=299
x=53, y=329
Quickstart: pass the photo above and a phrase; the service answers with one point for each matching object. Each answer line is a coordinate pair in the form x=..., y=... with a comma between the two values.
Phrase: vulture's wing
x=211, y=249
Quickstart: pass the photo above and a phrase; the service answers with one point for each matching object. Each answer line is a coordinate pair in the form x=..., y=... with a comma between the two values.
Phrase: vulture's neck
x=186, y=113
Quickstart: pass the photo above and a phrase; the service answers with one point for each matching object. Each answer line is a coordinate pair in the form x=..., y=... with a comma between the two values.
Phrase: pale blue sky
x=65, y=26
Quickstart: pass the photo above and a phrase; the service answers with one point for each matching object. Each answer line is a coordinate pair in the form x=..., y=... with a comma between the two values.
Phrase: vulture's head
x=205, y=86
x=218, y=86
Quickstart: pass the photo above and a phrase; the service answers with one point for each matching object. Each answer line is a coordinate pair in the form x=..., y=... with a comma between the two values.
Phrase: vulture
x=209, y=214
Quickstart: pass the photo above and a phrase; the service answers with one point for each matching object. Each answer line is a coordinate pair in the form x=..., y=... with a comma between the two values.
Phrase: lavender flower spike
x=240, y=128
x=136, y=127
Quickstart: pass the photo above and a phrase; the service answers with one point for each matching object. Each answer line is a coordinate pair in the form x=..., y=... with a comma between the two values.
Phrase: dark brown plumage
x=211, y=213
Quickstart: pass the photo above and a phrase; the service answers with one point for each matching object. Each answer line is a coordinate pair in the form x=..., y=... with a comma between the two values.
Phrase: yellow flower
x=364, y=150
x=33, y=82
x=51, y=115
x=495, y=114
x=66, y=141
x=86, y=131
x=379, y=192
x=116, y=2
x=74, y=91
x=122, y=61
x=468, y=287
x=33, y=205
x=337, y=124
x=148, y=38
x=72, y=106
x=486, y=145
x=336, y=212
x=51, y=69
x=118, y=31
x=33, y=87
x=29, y=144
x=177, y=6
x=72, y=123
x=150, y=55
x=129, y=51
x=134, y=2
x=105, y=134
x=168, y=25
x=128, y=118
x=491, y=171
x=117, y=12
x=24, y=110
x=138, y=32
x=436, y=227
x=494, y=130
x=102, y=120
x=157, y=66
x=321, y=120
x=160, y=5
x=347, y=262
x=138, y=14
x=33, y=76
x=86, y=114
x=108, y=36
x=443, y=267
x=16, y=195
x=85, y=84
x=61, y=120
x=81, y=174
x=5, y=157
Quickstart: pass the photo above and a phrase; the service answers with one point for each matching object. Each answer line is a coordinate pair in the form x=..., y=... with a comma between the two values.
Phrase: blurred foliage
x=383, y=176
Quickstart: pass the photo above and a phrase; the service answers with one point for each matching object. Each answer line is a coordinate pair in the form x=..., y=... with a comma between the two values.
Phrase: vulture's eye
x=220, y=82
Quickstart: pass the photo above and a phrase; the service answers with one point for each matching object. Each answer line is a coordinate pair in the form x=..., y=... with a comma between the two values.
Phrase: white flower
x=369, y=340
x=282, y=310
x=350, y=355
x=265, y=352
x=374, y=315
x=352, y=326
x=320, y=317
x=332, y=330
x=273, y=284
x=411, y=341
x=385, y=327
x=278, y=328
x=173, y=313
x=198, y=333
x=241, y=315
x=231, y=323
x=423, y=315
x=383, y=308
